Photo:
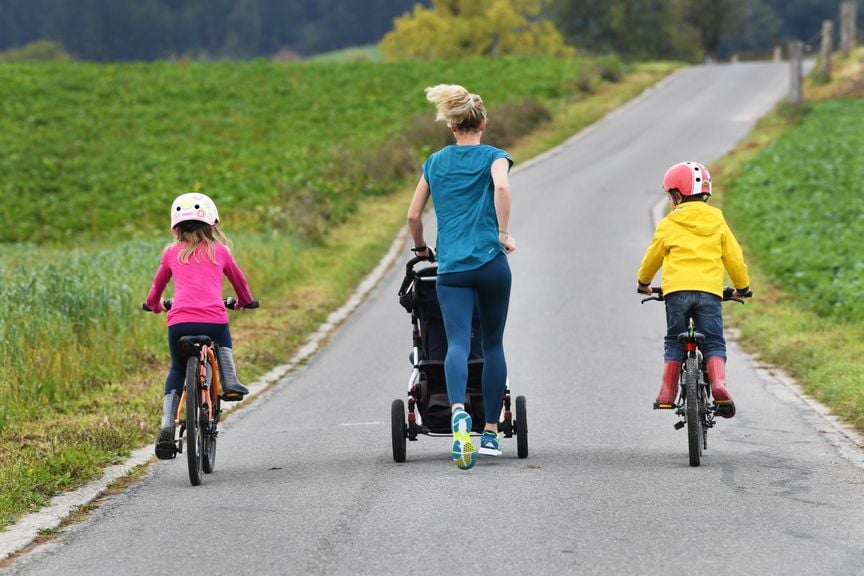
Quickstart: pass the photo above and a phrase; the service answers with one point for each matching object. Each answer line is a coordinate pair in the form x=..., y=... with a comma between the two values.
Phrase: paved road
x=305, y=482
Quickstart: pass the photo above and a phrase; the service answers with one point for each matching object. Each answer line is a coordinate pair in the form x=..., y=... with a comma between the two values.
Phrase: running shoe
x=490, y=443
x=464, y=454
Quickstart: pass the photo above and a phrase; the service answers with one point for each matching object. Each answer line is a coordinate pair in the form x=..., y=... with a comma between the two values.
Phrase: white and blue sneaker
x=464, y=454
x=490, y=443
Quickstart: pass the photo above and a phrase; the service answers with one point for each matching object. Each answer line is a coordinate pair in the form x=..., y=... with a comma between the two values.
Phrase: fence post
x=827, y=48
x=778, y=53
x=796, y=76
x=848, y=26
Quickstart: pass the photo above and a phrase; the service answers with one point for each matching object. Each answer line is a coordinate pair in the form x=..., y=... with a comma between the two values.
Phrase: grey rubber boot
x=232, y=389
x=165, y=447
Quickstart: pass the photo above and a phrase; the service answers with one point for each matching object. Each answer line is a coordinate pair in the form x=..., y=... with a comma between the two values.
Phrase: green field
x=795, y=197
x=99, y=150
x=799, y=207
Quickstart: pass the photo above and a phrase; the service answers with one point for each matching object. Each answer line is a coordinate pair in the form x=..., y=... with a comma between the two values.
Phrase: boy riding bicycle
x=693, y=245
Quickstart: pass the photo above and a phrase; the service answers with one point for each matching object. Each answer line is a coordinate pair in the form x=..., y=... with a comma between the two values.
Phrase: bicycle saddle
x=190, y=344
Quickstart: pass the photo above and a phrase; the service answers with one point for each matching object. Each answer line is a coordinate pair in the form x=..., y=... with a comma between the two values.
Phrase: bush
x=43, y=50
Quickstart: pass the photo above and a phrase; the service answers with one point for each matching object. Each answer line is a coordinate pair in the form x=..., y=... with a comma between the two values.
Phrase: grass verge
x=786, y=324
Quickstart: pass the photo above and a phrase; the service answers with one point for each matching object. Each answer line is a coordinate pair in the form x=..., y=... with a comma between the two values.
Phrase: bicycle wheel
x=691, y=410
x=521, y=428
x=703, y=412
x=398, y=429
x=194, y=435
x=210, y=434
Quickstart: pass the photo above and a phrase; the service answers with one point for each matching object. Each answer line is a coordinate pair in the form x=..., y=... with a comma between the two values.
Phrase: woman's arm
x=501, y=182
x=415, y=214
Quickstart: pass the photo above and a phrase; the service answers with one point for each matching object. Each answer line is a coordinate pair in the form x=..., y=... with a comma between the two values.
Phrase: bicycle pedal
x=658, y=406
x=679, y=425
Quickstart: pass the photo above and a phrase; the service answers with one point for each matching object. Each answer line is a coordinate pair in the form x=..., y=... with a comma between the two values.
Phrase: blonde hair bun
x=456, y=106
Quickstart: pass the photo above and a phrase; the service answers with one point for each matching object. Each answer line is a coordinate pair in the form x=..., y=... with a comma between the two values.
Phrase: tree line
x=691, y=28
x=154, y=29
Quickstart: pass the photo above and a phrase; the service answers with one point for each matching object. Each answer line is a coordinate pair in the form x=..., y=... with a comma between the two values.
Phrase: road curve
x=305, y=482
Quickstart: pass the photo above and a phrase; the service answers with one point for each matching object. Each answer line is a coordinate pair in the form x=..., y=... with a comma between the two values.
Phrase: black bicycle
x=201, y=399
x=694, y=404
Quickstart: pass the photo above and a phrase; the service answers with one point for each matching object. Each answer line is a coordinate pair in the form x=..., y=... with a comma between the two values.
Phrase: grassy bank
x=89, y=367
x=793, y=193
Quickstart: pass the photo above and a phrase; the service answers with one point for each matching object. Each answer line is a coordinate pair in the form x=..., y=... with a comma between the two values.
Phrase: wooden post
x=827, y=48
x=796, y=76
x=848, y=26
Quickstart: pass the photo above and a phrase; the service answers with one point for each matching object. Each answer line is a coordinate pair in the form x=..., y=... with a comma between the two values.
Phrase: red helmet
x=689, y=178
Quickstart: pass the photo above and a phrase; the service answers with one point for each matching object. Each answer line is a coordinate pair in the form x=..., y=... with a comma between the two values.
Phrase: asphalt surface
x=305, y=482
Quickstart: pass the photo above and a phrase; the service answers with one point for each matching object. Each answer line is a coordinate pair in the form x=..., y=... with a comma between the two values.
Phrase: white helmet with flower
x=194, y=206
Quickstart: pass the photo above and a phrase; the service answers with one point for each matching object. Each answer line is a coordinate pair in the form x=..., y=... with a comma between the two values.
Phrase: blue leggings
x=219, y=333
x=489, y=286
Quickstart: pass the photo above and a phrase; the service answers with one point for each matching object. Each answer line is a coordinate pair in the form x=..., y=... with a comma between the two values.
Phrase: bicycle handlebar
x=728, y=292
x=230, y=303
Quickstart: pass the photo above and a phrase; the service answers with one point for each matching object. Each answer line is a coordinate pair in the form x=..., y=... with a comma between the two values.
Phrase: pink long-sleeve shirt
x=198, y=285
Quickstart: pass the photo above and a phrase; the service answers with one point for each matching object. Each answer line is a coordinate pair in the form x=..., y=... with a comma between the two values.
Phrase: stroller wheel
x=398, y=429
x=521, y=428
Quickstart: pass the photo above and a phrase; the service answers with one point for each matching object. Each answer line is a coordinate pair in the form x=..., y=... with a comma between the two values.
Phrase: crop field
x=799, y=207
x=99, y=150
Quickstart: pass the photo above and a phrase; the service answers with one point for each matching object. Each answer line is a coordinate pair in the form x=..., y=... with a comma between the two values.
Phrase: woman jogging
x=470, y=189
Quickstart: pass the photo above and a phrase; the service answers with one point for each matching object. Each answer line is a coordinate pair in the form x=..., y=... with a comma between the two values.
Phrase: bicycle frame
x=206, y=356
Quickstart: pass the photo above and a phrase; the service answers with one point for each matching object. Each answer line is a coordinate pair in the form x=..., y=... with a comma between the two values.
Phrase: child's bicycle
x=694, y=404
x=201, y=399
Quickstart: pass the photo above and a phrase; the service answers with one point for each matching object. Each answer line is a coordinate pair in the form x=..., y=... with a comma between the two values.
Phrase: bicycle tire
x=691, y=410
x=194, y=436
x=209, y=453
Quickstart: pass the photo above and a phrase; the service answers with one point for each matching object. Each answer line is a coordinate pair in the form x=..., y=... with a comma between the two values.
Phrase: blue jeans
x=707, y=313
x=219, y=333
x=489, y=286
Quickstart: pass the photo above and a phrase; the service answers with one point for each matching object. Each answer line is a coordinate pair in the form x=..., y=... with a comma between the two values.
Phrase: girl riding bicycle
x=694, y=246
x=197, y=260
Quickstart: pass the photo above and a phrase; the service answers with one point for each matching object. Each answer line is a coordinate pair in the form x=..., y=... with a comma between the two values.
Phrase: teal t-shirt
x=460, y=182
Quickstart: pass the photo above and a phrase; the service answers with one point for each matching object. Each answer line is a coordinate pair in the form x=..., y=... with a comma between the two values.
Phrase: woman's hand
x=507, y=241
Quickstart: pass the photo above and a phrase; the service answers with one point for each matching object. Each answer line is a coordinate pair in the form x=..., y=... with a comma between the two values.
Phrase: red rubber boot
x=669, y=386
x=717, y=377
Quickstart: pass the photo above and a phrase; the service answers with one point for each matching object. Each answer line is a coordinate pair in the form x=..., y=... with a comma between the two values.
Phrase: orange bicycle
x=200, y=400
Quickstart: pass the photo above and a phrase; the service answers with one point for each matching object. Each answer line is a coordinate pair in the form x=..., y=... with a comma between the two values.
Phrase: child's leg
x=677, y=313
x=709, y=320
x=708, y=316
x=232, y=389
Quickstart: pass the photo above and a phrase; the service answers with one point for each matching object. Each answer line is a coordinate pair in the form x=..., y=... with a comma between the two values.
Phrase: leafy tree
x=473, y=28
x=632, y=28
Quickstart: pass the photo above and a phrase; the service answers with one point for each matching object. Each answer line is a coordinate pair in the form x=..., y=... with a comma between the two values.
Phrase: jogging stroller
x=427, y=389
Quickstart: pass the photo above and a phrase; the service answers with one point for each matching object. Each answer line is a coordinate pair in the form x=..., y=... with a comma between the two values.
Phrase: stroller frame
x=427, y=389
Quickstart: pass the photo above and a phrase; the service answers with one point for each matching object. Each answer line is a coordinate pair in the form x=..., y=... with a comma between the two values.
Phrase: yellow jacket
x=693, y=244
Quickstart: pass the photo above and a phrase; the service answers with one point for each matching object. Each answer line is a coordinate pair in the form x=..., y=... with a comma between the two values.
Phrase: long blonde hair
x=457, y=107
x=192, y=238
